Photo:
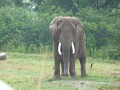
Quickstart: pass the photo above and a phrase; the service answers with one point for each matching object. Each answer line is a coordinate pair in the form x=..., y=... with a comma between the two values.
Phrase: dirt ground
x=88, y=85
x=93, y=85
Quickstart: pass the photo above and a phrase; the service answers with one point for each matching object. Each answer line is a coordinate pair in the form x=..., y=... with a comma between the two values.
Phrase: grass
x=35, y=71
x=108, y=87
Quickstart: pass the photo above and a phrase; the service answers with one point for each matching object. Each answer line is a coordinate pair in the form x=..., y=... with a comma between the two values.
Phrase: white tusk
x=59, y=49
x=73, y=48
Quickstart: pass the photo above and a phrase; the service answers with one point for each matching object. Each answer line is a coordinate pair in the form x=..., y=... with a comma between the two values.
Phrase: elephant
x=69, y=44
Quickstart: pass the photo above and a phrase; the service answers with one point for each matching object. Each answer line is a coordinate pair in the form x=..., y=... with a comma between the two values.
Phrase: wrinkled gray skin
x=66, y=30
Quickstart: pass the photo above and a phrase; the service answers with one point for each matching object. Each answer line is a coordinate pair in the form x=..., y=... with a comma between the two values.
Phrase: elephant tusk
x=59, y=49
x=73, y=48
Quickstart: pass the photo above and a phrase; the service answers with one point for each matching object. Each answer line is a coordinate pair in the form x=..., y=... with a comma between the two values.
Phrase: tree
x=11, y=3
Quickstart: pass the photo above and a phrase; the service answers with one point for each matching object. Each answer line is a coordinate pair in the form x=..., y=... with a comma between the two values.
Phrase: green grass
x=109, y=87
x=35, y=71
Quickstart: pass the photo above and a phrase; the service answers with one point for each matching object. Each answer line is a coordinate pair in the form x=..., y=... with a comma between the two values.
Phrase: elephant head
x=64, y=33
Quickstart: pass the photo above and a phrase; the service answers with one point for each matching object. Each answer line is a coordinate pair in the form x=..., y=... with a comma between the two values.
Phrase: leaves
x=24, y=29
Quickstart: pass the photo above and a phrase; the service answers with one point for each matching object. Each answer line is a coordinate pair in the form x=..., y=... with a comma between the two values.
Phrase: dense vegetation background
x=24, y=24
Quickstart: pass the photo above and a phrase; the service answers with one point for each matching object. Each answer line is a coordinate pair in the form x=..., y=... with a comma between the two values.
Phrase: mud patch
x=108, y=87
x=86, y=85
x=114, y=73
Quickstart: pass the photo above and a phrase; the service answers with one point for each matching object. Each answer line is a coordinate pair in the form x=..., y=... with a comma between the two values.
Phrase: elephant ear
x=53, y=29
x=79, y=31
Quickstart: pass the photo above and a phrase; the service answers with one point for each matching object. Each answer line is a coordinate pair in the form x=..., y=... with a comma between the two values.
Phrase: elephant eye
x=73, y=30
x=59, y=31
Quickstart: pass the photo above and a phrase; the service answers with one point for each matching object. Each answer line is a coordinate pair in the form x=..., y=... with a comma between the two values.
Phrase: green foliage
x=114, y=54
x=21, y=27
x=26, y=30
x=11, y=3
x=95, y=26
x=101, y=30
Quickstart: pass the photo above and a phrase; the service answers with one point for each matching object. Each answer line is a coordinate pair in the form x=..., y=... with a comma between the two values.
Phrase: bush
x=21, y=29
x=27, y=31
x=101, y=53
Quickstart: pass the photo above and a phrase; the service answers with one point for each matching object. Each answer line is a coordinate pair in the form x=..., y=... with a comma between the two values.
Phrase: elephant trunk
x=66, y=57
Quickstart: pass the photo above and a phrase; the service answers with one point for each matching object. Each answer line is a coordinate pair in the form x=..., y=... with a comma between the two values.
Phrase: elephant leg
x=57, y=70
x=72, y=67
x=56, y=64
x=62, y=67
x=83, y=64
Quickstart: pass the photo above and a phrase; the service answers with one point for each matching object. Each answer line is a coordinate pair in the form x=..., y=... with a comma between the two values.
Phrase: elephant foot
x=64, y=74
x=56, y=77
x=73, y=75
x=83, y=75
